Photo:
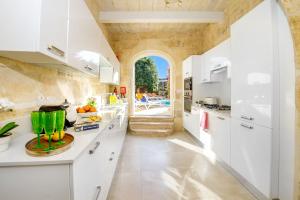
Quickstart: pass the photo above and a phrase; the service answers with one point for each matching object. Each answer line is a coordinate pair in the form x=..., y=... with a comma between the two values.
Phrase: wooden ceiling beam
x=160, y=17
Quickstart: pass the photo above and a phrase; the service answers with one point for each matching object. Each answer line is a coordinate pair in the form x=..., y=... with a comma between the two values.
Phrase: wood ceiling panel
x=147, y=27
x=160, y=5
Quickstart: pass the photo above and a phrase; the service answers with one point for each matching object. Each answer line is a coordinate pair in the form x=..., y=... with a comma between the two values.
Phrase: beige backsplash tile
x=24, y=84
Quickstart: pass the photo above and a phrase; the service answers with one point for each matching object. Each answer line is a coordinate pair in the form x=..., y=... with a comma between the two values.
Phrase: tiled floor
x=172, y=168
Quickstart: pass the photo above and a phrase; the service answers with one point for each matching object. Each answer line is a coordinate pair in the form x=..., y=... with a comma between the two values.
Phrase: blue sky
x=162, y=66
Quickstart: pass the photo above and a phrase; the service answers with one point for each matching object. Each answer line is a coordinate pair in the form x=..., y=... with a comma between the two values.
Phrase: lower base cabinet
x=220, y=137
x=251, y=154
x=89, y=177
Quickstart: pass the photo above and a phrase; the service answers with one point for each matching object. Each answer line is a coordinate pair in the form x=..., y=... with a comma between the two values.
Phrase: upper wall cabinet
x=110, y=74
x=84, y=39
x=34, y=31
x=216, y=61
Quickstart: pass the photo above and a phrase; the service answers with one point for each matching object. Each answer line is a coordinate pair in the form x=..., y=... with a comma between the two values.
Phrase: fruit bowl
x=87, y=114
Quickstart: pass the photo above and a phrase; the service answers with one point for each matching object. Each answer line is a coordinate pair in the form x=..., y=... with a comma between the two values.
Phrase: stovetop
x=217, y=107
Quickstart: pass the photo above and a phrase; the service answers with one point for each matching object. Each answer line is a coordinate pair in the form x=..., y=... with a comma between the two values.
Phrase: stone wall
x=292, y=9
x=213, y=34
x=177, y=46
x=26, y=84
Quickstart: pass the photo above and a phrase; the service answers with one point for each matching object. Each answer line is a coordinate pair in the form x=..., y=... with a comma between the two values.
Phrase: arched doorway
x=152, y=97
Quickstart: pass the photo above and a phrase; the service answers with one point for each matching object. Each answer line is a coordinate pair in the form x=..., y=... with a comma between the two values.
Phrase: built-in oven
x=188, y=104
x=188, y=84
x=188, y=94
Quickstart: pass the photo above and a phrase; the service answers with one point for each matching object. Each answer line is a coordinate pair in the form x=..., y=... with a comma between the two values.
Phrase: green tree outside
x=146, y=75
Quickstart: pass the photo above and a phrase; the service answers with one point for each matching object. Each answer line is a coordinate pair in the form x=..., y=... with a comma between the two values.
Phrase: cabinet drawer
x=87, y=183
x=251, y=153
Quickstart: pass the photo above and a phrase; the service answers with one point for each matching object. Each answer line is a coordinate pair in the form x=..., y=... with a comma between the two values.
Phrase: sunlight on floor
x=205, y=152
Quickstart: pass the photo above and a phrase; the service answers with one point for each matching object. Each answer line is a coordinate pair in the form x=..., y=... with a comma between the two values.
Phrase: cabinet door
x=45, y=182
x=252, y=66
x=116, y=75
x=83, y=39
x=114, y=138
x=54, y=28
x=251, y=153
x=187, y=124
x=106, y=74
x=195, y=125
x=220, y=131
x=205, y=72
x=187, y=67
x=88, y=171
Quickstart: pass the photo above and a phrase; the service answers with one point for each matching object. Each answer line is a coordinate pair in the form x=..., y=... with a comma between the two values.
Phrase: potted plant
x=5, y=135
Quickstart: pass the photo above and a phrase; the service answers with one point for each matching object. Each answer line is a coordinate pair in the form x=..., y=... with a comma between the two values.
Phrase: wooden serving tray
x=31, y=150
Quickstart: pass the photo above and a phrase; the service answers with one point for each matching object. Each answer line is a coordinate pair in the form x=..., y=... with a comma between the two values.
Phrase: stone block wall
x=177, y=46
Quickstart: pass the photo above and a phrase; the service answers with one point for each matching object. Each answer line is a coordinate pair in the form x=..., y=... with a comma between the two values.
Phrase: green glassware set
x=49, y=122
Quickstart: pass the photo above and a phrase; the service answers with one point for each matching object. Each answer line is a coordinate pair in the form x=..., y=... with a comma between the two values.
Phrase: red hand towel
x=204, y=121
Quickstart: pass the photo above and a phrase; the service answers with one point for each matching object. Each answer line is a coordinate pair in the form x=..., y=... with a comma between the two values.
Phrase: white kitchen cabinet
x=215, y=59
x=252, y=66
x=220, y=136
x=84, y=39
x=191, y=122
x=187, y=68
x=205, y=69
x=87, y=177
x=187, y=122
x=251, y=154
x=110, y=74
x=106, y=75
x=34, y=31
x=45, y=182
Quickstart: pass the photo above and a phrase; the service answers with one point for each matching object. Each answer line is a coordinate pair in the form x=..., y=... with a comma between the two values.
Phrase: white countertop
x=16, y=155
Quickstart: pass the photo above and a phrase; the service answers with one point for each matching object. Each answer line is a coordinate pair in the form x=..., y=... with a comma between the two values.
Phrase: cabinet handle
x=96, y=146
x=98, y=189
x=247, y=118
x=56, y=51
x=111, y=127
x=88, y=68
x=246, y=126
x=111, y=156
x=221, y=118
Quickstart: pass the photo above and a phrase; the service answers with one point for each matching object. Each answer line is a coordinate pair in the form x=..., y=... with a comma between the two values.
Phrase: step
x=151, y=125
x=152, y=133
x=151, y=119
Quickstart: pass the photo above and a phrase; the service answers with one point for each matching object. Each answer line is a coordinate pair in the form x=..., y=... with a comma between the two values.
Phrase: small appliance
x=64, y=106
x=211, y=101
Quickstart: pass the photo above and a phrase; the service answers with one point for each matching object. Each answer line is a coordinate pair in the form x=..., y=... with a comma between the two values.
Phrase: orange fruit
x=46, y=137
x=87, y=108
x=77, y=109
x=93, y=109
x=81, y=110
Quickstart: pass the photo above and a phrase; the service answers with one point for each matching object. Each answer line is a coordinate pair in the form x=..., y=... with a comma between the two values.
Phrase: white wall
x=222, y=90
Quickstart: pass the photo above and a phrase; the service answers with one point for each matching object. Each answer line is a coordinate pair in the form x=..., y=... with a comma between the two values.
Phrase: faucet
x=6, y=105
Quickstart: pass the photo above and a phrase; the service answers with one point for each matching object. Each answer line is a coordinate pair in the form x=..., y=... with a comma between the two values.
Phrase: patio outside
x=152, y=86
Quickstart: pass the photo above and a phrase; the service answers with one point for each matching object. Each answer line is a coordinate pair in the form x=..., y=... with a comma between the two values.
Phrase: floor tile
x=172, y=168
